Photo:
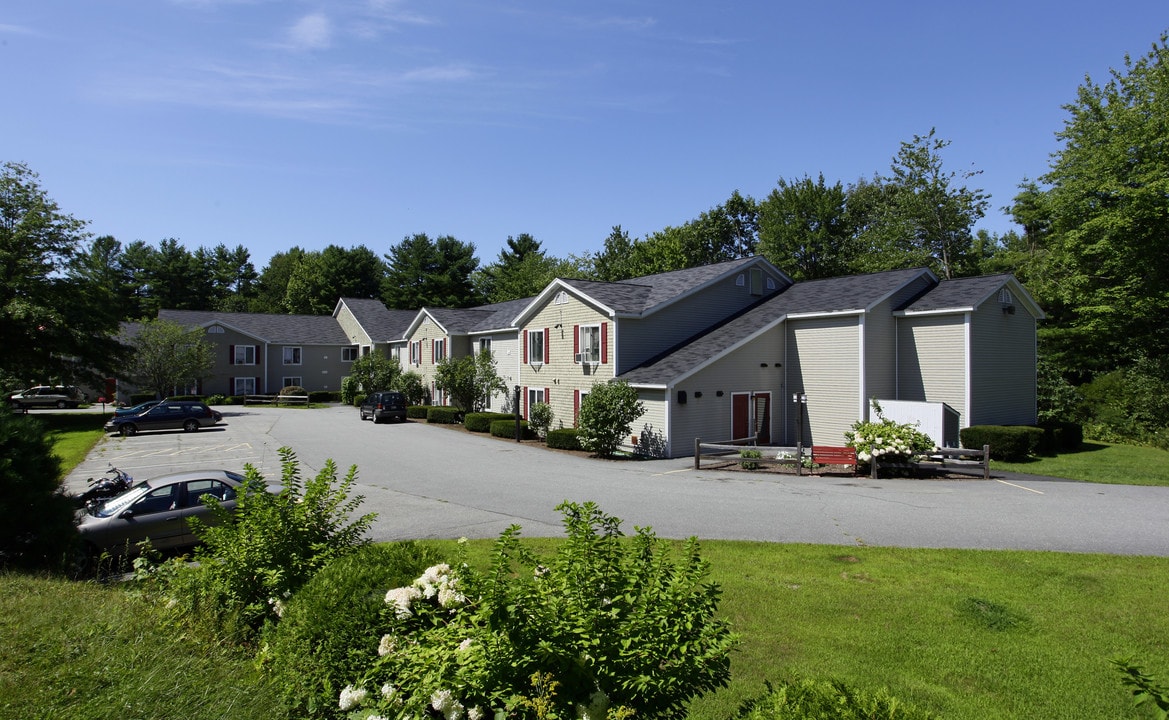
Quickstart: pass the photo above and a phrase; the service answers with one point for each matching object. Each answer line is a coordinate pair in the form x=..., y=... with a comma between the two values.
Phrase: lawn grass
x=1100, y=462
x=965, y=634
x=73, y=435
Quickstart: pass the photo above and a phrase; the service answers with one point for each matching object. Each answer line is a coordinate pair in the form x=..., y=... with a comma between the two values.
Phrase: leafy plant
x=256, y=557
x=884, y=440
x=746, y=464
x=810, y=699
x=540, y=418
x=606, y=415
x=607, y=624
x=1145, y=688
x=36, y=519
x=375, y=372
x=410, y=384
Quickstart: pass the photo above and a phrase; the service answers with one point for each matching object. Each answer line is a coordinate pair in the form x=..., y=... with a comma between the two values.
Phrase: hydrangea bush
x=890, y=441
x=608, y=628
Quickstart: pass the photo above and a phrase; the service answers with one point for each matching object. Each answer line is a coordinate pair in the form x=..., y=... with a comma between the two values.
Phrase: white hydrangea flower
x=466, y=645
x=449, y=596
x=441, y=699
x=388, y=691
x=351, y=697
x=387, y=645
x=402, y=598
x=476, y=713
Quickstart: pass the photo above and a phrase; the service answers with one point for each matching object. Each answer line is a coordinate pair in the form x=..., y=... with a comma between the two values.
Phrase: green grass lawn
x=73, y=436
x=1101, y=462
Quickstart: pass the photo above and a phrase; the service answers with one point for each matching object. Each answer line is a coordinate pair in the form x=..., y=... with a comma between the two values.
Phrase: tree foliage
x=804, y=229
x=469, y=381
x=167, y=356
x=1102, y=221
x=36, y=518
x=375, y=372
x=430, y=273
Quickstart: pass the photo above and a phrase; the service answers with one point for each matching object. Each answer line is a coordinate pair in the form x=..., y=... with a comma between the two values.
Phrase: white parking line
x=1004, y=482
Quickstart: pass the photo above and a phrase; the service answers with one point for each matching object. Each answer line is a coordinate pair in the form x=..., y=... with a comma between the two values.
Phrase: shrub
x=1061, y=437
x=359, y=399
x=563, y=439
x=418, y=412
x=885, y=440
x=748, y=453
x=1012, y=443
x=216, y=400
x=506, y=429
x=349, y=388
x=410, y=384
x=481, y=422
x=606, y=415
x=607, y=622
x=324, y=396
x=443, y=415
x=36, y=519
x=328, y=633
x=254, y=558
x=540, y=418
x=292, y=390
x=808, y=699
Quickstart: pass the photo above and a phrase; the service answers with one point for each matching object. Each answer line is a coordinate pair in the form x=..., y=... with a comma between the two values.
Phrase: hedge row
x=481, y=421
x=442, y=415
x=417, y=412
x=506, y=429
x=564, y=439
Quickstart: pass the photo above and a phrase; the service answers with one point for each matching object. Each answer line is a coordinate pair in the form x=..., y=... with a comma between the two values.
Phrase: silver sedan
x=159, y=509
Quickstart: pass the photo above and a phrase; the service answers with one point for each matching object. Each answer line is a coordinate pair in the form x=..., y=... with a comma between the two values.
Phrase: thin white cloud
x=311, y=32
x=17, y=30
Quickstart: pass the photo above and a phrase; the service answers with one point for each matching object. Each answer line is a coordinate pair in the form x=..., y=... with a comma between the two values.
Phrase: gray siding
x=823, y=361
x=643, y=338
x=1003, y=367
x=709, y=416
x=931, y=360
x=880, y=352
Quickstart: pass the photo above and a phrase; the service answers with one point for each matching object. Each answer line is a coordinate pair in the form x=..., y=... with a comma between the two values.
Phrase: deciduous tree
x=167, y=356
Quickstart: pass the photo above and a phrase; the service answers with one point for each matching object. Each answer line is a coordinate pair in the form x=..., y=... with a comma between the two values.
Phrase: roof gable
x=265, y=327
x=968, y=294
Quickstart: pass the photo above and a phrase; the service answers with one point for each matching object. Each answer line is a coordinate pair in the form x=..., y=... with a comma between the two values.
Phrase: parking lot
x=431, y=482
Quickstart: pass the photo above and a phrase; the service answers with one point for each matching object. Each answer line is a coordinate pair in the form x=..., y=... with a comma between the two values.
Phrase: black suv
x=386, y=405
x=167, y=415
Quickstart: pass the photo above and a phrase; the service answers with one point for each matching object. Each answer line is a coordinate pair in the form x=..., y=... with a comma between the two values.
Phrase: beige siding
x=562, y=375
x=1002, y=367
x=642, y=339
x=505, y=350
x=351, y=327
x=707, y=415
x=931, y=361
x=426, y=332
x=650, y=428
x=823, y=361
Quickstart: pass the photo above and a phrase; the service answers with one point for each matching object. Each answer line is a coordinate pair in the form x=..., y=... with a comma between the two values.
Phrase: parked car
x=385, y=405
x=167, y=415
x=159, y=510
x=58, y=396
x=136, y=409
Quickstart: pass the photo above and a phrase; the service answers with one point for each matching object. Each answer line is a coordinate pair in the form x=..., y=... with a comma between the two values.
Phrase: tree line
x=1091, y=249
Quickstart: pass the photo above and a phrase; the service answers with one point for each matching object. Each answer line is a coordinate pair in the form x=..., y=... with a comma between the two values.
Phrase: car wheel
x=128, y=429
x=61, y=404
x=191, y=425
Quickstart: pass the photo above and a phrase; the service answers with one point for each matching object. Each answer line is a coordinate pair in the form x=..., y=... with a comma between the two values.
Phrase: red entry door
x=740, y=416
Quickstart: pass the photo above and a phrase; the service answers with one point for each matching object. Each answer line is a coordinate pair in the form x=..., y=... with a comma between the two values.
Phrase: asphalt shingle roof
x=637, y=295
x=282, y=329
x=959, y=293
x=381, y=323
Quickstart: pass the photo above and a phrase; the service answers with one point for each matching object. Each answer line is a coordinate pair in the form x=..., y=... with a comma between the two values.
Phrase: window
x=245, y=386
x=439, y=350
x=416, y=352
x=590, y=344
x=536, y=347
x=485, y=345
x=244, y=355
x=291, y=381
x=291, y=356
x=215, y=330
x=535, y=395
x=349, y=354
x=561, y=298
x=756, y=281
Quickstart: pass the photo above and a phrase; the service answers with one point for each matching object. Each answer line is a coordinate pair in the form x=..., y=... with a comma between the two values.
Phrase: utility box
x=936, y=419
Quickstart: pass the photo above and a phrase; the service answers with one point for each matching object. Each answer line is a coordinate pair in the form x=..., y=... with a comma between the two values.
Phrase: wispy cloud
x=311, y=32
x=17, y=30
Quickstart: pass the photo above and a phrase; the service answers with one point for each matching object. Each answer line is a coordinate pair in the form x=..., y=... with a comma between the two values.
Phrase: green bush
x=36, y=519
x=481, y=422
x=606, y=416
x=443, y=415
x=540, y=418
x=418, y=412
x=254, y=558
x=1061, y=437
x=349, y=388
x=140, y=397
x=328, y=632
x=808, y=699
x=506, y=429
x=748, y=453
x=216, y=400
x=1013, y=443
x=324, y=396
x=607, y=624
x=563, y=439
x=359, y=399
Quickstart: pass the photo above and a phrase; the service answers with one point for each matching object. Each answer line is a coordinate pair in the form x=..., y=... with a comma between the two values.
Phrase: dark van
x=386, y=405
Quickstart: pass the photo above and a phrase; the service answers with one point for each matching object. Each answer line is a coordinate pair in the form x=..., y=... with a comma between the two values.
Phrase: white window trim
x=594, y=350
x=297, y=353
x=533, y=359
x=299, y=381
x=245, y=381
x=354, y=351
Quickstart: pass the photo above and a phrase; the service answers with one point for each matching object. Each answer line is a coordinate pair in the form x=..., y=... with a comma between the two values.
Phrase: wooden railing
x=275, y=399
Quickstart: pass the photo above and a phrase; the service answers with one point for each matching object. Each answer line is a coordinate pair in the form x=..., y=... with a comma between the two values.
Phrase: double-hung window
x=589, y=341
x=348, y=354
x=416, y=352
x=536, y=347
x=439, y=350
x=292, y=356
x=245, y=386
x=535, y=395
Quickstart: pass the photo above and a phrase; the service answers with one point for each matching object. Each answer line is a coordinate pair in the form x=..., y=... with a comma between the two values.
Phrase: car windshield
x=118, y=503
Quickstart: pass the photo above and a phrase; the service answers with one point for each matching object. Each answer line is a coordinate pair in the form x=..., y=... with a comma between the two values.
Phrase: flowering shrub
x=609, y=627
x=890, y=441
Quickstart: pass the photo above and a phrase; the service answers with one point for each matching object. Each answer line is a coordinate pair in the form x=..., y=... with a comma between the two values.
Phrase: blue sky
x=273, y=123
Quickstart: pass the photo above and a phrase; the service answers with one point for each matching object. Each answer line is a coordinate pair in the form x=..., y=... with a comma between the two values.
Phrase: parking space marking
x=1004, y=482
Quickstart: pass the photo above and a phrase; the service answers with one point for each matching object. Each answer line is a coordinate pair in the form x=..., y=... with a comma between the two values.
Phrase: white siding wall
x=931, y=361
x=650, y=428
x=823, y=361
x=505, y=350
x=352, y=328
x=1003, y=367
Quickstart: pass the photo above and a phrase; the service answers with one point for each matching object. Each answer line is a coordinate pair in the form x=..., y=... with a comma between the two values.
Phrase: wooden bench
x=829, y=455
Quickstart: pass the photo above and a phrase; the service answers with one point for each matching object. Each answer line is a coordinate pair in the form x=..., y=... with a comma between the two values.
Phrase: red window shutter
x=547, y=345
x=604, y=342
x=525, y=347
x=231, y=386
x=548, y=395
x=259, y=355
x=525, y=402
x=576, y=407
x=231, y=355
x=575, y=341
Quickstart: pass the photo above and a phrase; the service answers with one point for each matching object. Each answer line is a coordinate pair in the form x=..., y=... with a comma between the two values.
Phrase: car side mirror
x=126, y=514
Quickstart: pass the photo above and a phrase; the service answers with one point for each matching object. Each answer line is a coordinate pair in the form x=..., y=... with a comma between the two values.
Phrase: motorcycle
x=102, y=488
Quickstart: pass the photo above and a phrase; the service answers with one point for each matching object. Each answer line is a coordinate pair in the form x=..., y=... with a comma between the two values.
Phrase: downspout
x=862, y=385
x=267, y=363
x=968, y=365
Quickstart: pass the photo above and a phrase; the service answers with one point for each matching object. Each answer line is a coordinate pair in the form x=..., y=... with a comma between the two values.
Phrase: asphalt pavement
x=425, y=481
